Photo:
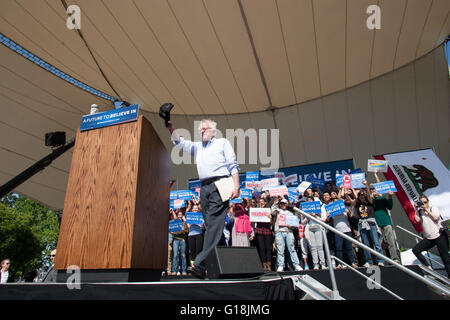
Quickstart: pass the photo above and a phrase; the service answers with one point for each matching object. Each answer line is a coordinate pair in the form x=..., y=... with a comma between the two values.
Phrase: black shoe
x=197, y=272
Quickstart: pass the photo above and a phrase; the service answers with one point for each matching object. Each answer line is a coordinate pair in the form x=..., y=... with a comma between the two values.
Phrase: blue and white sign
x=335, y=208
x=194, y=218
x=109, y=118
x=177, y=204
x=339, y=180
x=311, y=207
x=252, y=176
x=236, y=200
x=246, y=193
x=292, y=194
x=173, y=195
x=175, y=225
x=185, y=194
x=357, y=179
x=292, y=220
x=316, y=182
x=385, y=187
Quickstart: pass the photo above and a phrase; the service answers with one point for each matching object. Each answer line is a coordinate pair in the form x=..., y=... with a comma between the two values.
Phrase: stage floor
x=270, y=286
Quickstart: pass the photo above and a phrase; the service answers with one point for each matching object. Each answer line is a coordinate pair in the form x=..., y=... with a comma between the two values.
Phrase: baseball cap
x=284, y=201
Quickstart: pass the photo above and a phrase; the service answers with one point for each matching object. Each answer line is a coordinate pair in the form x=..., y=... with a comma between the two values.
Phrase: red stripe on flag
x=402, y=196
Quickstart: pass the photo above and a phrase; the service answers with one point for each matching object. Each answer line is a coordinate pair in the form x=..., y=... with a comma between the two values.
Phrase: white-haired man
x=215, y=159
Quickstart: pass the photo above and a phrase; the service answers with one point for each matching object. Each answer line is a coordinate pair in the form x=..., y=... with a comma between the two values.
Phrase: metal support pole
x=330, y=265
x=363, y=246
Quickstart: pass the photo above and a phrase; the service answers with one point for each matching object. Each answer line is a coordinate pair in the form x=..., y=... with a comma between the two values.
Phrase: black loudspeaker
x=55, y=139
x=233, y=262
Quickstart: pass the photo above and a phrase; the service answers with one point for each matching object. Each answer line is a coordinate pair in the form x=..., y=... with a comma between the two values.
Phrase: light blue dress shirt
x=214, y=159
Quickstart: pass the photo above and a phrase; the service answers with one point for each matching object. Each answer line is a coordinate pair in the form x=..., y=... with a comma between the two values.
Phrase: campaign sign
x=335, y=208
x=259, y=214
x=281, y=176
x=292, y=220
x=252, y=176
x=282, y=220
x=347, y=181
x=109, y=118
x=316, y=182
x=292, y=198
x=236, y=200
x=267, y=183
x=303, y=186
x=357, y=179
x=291, y=179
x=175, y=225
x=311, y=207
x=385, y=187
x=194, y=218
x=339, y=180
x=292, y=194
x=185, y=194
x=178, y=203
x=278, y=191
x=173, y=195
x=377, y=165
x=246, y=193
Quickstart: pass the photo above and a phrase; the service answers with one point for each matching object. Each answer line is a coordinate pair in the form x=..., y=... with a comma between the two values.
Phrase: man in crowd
x=215, y=160
x=51, y=274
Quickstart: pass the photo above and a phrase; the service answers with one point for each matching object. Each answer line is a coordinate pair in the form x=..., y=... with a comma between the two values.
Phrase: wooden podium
x=115, y=222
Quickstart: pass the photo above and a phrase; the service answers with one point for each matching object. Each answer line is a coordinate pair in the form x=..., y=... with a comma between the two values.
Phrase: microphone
x=164, y=112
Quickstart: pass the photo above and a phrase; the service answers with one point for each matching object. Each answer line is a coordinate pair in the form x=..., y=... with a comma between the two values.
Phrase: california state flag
x=415, y=173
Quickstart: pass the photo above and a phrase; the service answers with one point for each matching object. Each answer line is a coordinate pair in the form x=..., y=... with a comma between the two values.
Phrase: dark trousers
x=265, y=242
x=442, y=245
x=214, y=213
x=195, y=245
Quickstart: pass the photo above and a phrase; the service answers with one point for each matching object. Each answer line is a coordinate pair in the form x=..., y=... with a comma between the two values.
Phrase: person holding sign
x=284, y=237
x=342, y=224
x=179, y=246
x=217, y=168
x=367, y=224
x=195, y=236
x=264, y=238
x=313, y=234
x=382, y=205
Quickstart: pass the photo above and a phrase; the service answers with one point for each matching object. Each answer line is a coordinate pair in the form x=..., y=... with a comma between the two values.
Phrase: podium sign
x=109, y=118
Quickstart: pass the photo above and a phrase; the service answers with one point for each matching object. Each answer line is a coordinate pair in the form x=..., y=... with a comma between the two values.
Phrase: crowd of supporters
x=282, y=248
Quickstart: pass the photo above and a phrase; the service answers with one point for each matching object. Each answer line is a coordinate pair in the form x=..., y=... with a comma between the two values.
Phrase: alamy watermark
x=374, y=20
x=74, y=19
x=260, y=149
x=74, y=280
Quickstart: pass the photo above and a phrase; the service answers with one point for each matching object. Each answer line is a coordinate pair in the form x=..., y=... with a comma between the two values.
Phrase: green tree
x=28, y=231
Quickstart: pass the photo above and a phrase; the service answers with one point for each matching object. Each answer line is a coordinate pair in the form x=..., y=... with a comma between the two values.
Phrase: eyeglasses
x=425, y=201
x=52, y=255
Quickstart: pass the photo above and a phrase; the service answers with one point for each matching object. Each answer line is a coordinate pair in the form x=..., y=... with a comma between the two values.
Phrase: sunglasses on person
x=52, y=255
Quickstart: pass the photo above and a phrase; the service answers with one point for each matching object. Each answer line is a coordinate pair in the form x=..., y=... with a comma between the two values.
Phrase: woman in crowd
x=179, y=246
x=433, y=233
x=242, y=232
x=195, y=235
x=6, y=275
x=284, y=236
x=314, y=236
x=367, y=224
x=342, y=224
x=264, y=238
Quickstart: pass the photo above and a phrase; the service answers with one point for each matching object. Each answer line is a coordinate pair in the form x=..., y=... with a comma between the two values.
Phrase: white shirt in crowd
x=431, y=228
x=5, y=276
